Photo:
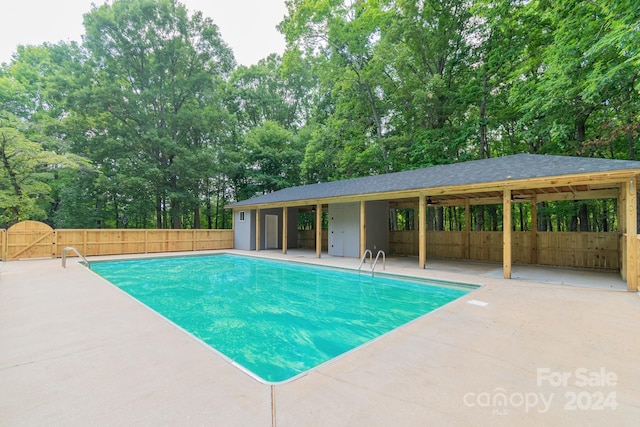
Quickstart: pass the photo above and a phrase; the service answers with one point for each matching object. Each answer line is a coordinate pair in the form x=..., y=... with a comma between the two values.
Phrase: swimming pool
x=274, y=319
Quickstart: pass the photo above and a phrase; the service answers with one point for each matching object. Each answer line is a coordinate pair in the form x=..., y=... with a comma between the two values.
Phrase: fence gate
x=30, y=239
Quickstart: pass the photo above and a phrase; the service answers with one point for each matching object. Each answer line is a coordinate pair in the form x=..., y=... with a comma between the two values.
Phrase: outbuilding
x=358, y=213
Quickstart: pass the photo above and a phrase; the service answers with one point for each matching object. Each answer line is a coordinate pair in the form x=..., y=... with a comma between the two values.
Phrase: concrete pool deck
x=549, y=347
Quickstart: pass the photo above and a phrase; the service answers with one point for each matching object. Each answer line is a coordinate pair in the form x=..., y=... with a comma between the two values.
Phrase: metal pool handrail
x=384, y=262
x=364, y=256
x=69, y=249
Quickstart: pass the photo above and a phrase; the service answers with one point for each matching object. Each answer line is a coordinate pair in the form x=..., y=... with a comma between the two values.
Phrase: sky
x=247, y=26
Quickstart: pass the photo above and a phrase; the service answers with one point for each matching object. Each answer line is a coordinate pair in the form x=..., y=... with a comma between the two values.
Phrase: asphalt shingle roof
x=514, y=167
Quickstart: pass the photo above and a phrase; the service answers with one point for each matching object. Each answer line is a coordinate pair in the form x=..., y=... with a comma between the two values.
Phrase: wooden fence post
x=54, y=245
x=3, y=245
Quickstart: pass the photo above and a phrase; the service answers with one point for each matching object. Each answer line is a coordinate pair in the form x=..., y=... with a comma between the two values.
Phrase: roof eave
x=606, y=177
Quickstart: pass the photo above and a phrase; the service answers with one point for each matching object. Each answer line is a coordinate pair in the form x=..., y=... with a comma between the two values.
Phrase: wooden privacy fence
x=307, y=239
x=32, y=239
x=564, y=249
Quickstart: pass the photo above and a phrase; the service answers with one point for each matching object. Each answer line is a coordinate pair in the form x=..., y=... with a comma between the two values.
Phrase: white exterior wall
x=344, y=229
x=244, y=232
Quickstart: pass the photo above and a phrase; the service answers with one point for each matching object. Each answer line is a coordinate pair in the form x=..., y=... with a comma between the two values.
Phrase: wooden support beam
x=422, y=233
x=506, y=234
x=258, y=230
x=631, y=211
x=404, y=204
x=622, y=226
x=318, y=230
x=534, y=231
x=467, y=229
x=363, y=227
x=285, y=228
x=578, y=195
x=483, y=199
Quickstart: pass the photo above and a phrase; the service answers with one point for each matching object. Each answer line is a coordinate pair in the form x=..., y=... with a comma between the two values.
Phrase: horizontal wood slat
x=564, y=249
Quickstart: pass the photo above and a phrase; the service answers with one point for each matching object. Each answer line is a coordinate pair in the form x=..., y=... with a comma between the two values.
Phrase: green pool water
x=275, y=319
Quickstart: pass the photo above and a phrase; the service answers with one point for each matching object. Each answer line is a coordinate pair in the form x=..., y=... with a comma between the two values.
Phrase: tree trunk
x=196, y=218
x=165, y=213
x=224, y=219
x=115, y=209
x=175, y=214
x=544, y=223
x=583, y=215
x=208, y=209
x=631, y=140
x=378, y=123
x=493, y=218
x=393, y=219
x=573, y=223
x=218, y=197
x=581, y=129
x=430, y=218
x=158, y=213
x=479, y=225
x=13, y=177
x=439, y=218
x=98, y=209
x=484, y=140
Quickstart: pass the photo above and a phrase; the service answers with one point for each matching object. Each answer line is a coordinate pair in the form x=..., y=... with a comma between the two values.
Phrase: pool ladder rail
x=374, y=263
x=72, y=249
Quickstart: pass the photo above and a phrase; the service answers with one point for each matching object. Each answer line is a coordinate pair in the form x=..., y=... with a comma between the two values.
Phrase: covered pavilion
x=359, y=208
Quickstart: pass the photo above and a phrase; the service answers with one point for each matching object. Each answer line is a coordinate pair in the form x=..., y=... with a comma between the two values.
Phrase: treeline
x=587, y=215
x=151, y=123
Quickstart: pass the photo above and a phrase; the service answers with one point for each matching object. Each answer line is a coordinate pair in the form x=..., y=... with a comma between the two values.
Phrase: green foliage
x=160, y=76
x=167, y=130
x=25, y=172
x=273, y=157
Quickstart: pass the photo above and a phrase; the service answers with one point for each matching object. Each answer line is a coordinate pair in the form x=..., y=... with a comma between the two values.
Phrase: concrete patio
x=548, y=347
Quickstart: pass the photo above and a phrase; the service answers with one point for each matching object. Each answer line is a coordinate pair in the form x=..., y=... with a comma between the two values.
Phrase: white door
x=271, y=231
x=336, y=231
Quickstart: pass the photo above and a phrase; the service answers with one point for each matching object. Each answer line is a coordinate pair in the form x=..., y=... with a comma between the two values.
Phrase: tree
x=25, y=171
x=427, y=48
x=262, y=92
x=616, y=77
x=33, y=93
x=499, y=35
x=157, y=70
x=340, y=39
x=273, y=158
x=576, y=87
